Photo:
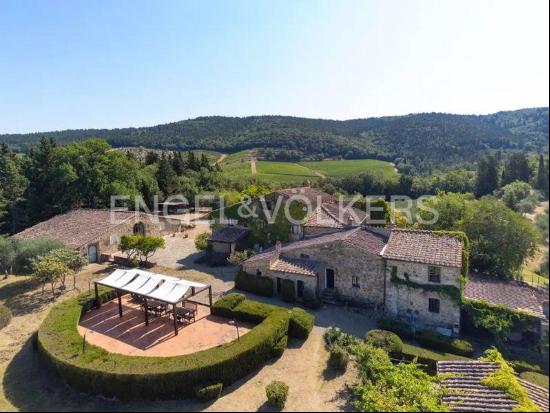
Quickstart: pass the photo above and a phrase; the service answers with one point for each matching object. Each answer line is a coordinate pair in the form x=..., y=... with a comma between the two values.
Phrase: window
x=297, y=229
x=139, y=228
x=393, y=271
x=434, y=274
x=433, y=305
x=355, y=281
x=258, y=272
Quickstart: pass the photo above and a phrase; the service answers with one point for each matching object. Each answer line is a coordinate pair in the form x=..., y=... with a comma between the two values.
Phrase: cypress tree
x=542, y=177
x=487, y=176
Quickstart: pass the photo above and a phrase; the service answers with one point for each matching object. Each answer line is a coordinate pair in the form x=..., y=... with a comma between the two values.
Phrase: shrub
x=210, y=392
x=280, y=347
x=97, y=371
x=28, y=250
x=201, y=241
x=301, y=323
x=401, y=387
x=386, y=340
x=225, y=305
x=339, y=358
x=277, y=393
x=238, y=257
x=335, y=336
x=255, y=284
x=288, y=291
x=436, y=341
x=400, y=328
x=5, y=316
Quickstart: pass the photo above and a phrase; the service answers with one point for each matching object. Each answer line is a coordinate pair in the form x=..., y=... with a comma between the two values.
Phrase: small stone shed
x=225, y=241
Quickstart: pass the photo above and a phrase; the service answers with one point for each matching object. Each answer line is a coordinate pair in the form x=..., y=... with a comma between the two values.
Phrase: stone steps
x=329, y=297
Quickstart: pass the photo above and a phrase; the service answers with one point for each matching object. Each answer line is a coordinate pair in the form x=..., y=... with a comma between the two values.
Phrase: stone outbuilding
x=224, y=242
x=96, y=232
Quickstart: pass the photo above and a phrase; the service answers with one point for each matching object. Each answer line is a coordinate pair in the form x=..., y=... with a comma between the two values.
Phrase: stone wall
x=310, y=282
x=108, y=242
x=346, y=261
x=403, y=301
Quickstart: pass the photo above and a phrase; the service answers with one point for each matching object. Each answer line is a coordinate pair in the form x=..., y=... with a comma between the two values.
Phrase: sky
x=69, y=64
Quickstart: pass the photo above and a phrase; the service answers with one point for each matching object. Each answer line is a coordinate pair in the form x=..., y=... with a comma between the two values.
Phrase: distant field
x=238, y=166
x=352, y=167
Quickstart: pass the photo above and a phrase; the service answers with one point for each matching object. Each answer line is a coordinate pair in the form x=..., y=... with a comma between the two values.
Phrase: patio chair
x=191, y=307
x=184, y=315
x=156, y=307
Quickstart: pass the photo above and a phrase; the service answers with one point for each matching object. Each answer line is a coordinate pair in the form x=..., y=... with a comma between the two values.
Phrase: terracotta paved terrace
x=130, y=336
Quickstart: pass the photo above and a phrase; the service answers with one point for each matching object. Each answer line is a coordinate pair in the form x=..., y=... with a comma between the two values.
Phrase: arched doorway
x=92, y=253
x=139, y=228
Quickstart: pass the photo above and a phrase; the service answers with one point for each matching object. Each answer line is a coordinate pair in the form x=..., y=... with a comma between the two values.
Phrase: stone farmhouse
x=96, y=232
x=405, y=273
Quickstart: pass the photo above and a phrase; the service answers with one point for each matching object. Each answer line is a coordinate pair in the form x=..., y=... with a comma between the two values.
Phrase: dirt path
x=253, y=166
x=220, y=159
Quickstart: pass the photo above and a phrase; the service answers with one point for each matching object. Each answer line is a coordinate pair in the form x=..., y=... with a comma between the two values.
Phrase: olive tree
x=72, y=259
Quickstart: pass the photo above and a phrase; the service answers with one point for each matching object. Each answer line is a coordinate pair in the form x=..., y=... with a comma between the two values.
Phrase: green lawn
x=535, y=378
x=421, y=352
x=352, y=167
x=283, y=172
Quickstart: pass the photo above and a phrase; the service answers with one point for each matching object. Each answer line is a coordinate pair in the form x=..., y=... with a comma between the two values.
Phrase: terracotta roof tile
x=229, y=234
x=335, y=216
x=295, y=266
x=468, y=394
x=78, y=227
x=510, y=293
x=361, y=238
x=423, y=246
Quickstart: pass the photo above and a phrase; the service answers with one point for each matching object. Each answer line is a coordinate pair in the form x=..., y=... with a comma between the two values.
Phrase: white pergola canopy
x=170, y=290
x=148, y=285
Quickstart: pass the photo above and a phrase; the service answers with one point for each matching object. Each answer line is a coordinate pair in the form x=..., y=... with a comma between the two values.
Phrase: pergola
x=151, y=286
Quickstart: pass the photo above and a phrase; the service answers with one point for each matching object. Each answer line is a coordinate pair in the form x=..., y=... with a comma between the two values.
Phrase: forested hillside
x=419, y=141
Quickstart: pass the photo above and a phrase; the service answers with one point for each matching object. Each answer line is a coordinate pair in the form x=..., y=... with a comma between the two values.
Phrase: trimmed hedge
x=385, y=340
x=436, y=341
x=301, y=323
x=224, y=306
x=97, y=371
x=235, y=306
x=253, y=311
x=207, y=393
x=5, y=316
x=280, y=347
x=255, y=284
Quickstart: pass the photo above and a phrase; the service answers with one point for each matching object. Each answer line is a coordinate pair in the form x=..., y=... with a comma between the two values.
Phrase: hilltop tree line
x=415, y=143
x=518, y=174
x=51, y=179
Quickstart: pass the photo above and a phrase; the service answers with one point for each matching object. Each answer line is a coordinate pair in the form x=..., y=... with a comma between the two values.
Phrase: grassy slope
x=237, y=166
x=352, y=167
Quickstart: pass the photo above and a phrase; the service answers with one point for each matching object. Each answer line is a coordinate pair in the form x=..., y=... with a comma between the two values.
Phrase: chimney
x=278, y=247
